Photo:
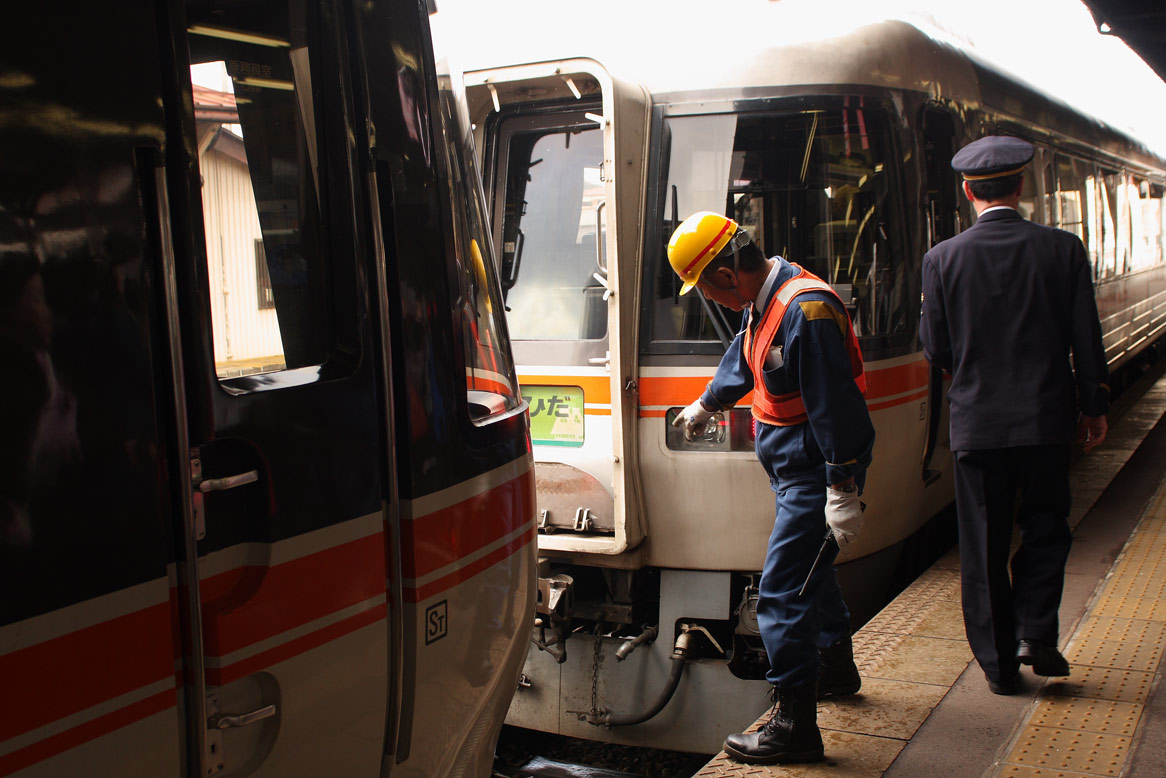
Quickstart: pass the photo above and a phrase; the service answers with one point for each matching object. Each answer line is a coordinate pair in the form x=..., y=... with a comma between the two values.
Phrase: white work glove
x=692, y=420
x=843, y=516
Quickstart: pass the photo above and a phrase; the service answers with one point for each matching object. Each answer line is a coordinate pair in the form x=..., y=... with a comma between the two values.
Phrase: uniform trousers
x=794, y=626
x=1028, y=485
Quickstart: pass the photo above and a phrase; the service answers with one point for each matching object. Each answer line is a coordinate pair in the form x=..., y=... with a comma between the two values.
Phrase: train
x=267, y=495
x=829, y=139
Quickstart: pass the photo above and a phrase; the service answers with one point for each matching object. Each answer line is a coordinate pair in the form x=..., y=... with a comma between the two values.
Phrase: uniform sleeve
x=816, y=353
x=933, y=332
x=733, y=379
x=1089, y=365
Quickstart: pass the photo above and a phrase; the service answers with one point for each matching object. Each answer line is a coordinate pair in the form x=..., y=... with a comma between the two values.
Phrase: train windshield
x=813, y=185
x=552, y=232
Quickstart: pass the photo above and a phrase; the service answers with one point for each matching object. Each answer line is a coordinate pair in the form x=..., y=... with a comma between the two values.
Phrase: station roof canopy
x=1140, y=23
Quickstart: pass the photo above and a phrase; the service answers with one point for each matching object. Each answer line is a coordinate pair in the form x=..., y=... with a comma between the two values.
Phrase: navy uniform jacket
x=838, y=435
x=1004, y=302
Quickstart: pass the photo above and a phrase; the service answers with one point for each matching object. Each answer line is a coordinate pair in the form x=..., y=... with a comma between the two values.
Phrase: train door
x=557, y=169
x=88, y=638
x=942, y=219
x=282, y=401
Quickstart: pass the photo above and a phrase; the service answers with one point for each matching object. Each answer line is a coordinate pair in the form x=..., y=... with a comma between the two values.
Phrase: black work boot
x=790, y=735
x=837, y=674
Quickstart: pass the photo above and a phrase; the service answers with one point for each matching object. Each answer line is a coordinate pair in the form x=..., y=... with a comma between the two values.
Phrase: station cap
x=993, y=156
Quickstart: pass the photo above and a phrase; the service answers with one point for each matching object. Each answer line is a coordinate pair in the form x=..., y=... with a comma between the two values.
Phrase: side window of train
x=1046, y=169
x=1078, y=206
x=1032, y=201
x=491, y=381
x=811, y=183
x=1147, y=222
x=1113, y=216
x=258, y=78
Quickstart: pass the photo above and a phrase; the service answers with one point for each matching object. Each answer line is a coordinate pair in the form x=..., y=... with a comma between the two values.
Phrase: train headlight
x=733, y=431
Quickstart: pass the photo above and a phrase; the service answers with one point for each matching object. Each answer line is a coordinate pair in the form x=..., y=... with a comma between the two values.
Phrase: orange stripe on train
x=314, y=586
x=90, y=730
x=443, y=537
x=416, y=594
x=62, y=676
x=682, y=390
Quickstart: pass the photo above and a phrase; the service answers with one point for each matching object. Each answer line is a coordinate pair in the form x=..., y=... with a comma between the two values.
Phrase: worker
x=1004, y=304
x=798, y=354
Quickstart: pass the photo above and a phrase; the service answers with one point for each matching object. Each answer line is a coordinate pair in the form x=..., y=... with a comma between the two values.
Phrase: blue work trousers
x=794, y=626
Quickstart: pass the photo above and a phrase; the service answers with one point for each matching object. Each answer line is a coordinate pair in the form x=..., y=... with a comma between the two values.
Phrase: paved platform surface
x=925, y=709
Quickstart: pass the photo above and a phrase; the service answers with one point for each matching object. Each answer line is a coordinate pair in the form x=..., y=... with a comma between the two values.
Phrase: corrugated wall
x=242, y=331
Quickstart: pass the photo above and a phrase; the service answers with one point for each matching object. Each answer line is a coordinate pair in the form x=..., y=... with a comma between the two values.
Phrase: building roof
x=213, y=106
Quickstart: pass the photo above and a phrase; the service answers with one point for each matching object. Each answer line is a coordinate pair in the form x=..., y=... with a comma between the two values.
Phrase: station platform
x=925, y=709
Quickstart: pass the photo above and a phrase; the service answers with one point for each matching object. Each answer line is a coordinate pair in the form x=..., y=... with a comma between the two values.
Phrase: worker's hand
x=692, y=420
x=1091, y=431
x=843, y=515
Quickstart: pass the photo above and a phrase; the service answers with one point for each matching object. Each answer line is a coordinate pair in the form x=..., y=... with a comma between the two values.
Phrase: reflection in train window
x=491, y=382
x=1076, y=203
x=1148, y=219
x=810, y=185
x=554, y=190
x=260, y=164
x=1113, y=219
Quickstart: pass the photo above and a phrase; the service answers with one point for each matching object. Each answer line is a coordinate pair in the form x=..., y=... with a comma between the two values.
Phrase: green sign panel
x=556, y=415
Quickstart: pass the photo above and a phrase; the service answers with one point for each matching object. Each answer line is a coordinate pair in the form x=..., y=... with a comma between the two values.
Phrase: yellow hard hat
x=696, y=242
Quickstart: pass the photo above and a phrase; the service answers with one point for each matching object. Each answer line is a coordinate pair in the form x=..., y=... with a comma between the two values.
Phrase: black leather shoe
x=1045, y=660
x=790, y=735
x=1005, y=684
x=837, y=674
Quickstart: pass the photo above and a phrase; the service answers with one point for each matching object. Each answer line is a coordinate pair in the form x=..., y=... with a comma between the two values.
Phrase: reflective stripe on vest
x=788, y=409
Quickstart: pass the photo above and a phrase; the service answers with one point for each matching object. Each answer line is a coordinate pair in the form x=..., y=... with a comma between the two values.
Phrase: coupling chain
x=595, y=671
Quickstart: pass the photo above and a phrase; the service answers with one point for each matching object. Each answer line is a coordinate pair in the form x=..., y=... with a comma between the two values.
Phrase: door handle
x=204, y=485
x=231, y=720
x=229, y=482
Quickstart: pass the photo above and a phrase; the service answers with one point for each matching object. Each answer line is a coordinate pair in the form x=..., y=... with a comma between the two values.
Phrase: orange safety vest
x=785, y=410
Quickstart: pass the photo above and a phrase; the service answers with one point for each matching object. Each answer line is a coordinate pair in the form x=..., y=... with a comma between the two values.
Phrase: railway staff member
x=1004, y=302
x=798, y=354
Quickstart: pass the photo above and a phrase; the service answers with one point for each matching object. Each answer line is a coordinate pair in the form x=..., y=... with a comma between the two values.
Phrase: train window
x=551, y=241
x=1030, y=196
x=1110, y=211
x=491, y=382
x=812, y=185
x=1146, y=223
x=260, y=130
x=1076, y=198
x=1048, y=175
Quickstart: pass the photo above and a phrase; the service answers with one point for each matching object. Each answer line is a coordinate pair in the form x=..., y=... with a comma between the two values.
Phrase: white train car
x=831, y=143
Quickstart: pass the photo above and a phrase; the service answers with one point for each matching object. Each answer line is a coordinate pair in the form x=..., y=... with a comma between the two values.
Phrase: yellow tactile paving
x=1020, y=771
x=1138, y=632
x=1102, y=683
x=1086, y=724
x=1092, y=753
x=1126, y=655
x=1115, y=718
x=912, y=653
